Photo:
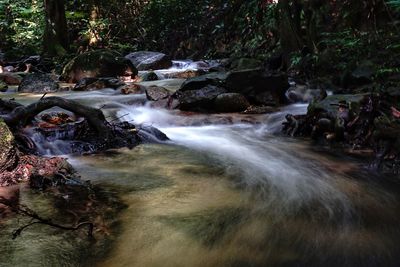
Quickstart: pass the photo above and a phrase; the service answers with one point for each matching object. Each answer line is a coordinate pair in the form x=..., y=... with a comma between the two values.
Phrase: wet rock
x=90, y=84
x=49, y=172
x=149, y=76
x=38, y=83
x=184, y=74
x=100, y=63
x=165, y=103
x=258, y=86
x=10, y=78
x=147, y=60
x=246, y=63
x=155, y=93
x=215, y=79
x=131, y=89
x=230, y=102
x=151, y=134
x=201, y=99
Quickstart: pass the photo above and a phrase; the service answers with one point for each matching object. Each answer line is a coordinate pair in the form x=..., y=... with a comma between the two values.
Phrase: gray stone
x=155, y=93
x=201, y=99
x=38, y=83
x=147, y=60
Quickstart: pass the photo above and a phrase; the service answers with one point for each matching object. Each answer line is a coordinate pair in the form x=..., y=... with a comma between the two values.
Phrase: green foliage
x=21, y=26
x=170, y=22
x=395, y=4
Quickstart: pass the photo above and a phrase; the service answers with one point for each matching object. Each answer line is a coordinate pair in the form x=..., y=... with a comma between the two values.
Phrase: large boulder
x=230, y=102
x=38, y=83
x=147, y=60
x=199, y=100
x=258, y=86
x=214, y=78
x=99, y=63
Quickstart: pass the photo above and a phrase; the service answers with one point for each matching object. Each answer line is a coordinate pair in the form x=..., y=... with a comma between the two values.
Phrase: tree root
x=22, y=115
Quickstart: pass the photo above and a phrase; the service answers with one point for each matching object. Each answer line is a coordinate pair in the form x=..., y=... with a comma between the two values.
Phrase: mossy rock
x=7, y=148
x=99, y=63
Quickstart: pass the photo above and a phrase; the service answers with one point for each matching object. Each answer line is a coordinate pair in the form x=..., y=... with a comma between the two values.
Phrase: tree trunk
x=55, y=39
x=290, y=27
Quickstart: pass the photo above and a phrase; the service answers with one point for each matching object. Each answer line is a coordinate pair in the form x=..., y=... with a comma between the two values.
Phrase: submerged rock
x=147, y=60
x=38, y=83
x=100, y=63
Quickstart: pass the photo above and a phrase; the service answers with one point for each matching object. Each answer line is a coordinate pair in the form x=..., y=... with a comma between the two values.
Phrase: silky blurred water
x=226, y=190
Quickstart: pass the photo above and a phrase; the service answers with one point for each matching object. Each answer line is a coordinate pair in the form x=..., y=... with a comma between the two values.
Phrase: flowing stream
x=224, y=191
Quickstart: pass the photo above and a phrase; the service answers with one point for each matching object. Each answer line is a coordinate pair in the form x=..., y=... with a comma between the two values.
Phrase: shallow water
x=224, y=191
